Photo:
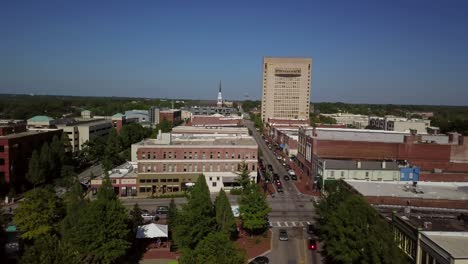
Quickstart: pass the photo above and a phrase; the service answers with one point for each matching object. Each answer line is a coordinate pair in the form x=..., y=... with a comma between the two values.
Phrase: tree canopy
x=352, y=230
x=39, y=213
x=254, y=210
x=224, y=216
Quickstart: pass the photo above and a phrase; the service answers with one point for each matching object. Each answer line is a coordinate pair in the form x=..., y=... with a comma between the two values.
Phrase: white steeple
x=220, y=97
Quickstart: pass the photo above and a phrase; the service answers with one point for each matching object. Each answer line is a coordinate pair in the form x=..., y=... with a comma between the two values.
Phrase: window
x=154, y=180
x=214, y=184
x=367, y=174
x=211, y=178
x=342, y=174
x=190, y=167
x=163, y=180
x=253, y=167
x=332, y=173
x=204, y=155
x=164, y=167
x=143, y=168
x=219, y=155
x=211, y=167
x=185, y=155
x=190, y=155
x=148, y=168
x=185, y=167
x=217, y=178
x=226, y=155
x=175, y=155
x=238, y=156
x=203, y=168
x=196, y=155
x=211, y=155
x=232, y=156
x=175, y=180
x=175, y=167
x=164, y=155
x=169, y=167
x=142, y=180
x=232, y=167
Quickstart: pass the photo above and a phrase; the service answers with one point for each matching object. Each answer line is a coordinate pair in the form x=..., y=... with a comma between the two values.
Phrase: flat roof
x=455, y=243
x=431, y=190
x=28, y=133
x=194, y=140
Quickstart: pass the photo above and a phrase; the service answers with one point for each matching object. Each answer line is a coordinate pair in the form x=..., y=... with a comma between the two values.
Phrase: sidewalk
x=304, y=183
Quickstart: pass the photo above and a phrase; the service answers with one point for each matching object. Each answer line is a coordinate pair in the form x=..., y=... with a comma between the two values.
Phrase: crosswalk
x=289, y=224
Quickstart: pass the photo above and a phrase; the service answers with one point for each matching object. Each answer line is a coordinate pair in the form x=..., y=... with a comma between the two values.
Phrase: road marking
x=308, y=223
x=286, y=224
x=301, y=224
x=294, y=223
x=279, y=225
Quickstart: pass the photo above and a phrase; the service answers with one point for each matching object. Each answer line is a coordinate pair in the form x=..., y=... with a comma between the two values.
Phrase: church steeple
x=219, y=104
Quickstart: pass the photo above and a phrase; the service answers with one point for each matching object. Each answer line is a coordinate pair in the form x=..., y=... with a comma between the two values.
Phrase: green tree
x=135, y=216
x=215, y=248
x=352, y=230
x=254, y=210
x=74, y=205
x=35, y=173
x=48, y=249
x=57, y=155
x=224, y=217
x=46, y=162
x=100, y=234
x=172, y=214
x=39, y=213
x=196, y=218
x=244, y=178
x=112, y=151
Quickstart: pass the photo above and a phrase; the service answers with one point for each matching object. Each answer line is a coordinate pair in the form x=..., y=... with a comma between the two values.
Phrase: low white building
x=335, y=169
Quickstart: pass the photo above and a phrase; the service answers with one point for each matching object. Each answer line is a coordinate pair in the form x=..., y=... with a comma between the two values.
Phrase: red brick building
x=16, y=147
x=216, y=120
x=449, y=157
x=169, y=163
x=119, y=120
x=172, y=115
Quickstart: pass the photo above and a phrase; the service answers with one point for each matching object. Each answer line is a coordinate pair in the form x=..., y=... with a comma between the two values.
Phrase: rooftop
x=434, y=220
x=198, y=140
x=27, y=133
x=40, y=119
x=426, y=190
x=455, y=243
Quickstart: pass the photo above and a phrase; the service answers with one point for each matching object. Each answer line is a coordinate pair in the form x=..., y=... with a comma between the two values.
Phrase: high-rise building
x=286, y=88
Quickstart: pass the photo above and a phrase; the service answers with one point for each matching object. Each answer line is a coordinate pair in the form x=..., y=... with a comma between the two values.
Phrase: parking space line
x=294, y=223
x=286, y=224
x=308, y=223
x=301, y=224
x=279, y=225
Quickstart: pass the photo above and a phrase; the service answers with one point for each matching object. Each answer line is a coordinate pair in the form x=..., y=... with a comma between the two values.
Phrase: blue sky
x=363, y=51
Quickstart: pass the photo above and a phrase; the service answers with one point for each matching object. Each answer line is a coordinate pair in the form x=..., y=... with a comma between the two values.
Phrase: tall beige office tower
x=286, y=88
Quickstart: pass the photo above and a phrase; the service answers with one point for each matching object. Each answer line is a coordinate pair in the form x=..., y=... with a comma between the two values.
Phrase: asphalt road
x=291, y=211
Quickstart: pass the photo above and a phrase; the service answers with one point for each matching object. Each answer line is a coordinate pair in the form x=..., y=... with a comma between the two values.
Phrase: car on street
x=286, y=177
x=291, y=172
x=260, y=260
x=279, y=189
x=310, y=229
x=270, y=167
x=147, y=217
x=283, y=235
x=278, y=157
x=162, y=210
x=276, y=177
x=312, y=245
x=294, y=177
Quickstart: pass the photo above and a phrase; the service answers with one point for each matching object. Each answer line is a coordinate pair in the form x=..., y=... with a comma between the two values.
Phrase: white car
x=291, y=172
x=147, y=217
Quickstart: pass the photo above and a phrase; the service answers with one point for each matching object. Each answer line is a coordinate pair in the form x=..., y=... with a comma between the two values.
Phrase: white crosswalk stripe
x=289, y=224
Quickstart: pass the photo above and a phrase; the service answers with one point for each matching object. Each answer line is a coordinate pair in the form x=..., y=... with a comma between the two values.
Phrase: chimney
x=358, y=164
x=384, y=164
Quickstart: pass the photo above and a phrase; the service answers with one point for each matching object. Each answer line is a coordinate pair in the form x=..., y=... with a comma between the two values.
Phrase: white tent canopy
x=151, y=231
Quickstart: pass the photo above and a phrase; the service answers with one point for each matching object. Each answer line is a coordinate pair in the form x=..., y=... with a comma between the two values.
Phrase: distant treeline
x=448, y=118
x=26, y=106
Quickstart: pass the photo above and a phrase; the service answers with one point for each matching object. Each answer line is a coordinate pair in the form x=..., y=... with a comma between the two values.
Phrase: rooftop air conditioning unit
x=427, y=225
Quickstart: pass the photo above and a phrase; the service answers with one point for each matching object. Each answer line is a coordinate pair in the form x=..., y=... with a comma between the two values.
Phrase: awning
x=152, y=231
x=230, y=178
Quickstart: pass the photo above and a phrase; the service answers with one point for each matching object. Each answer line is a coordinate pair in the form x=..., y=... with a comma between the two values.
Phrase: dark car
x=294, y=177
x=162, y=210
x=283, y=235
x=286, y=177
x=270, y=167
x=279, y=189
x=312, y=244
x=276, y=177
x=260, y=260
x=310, y=229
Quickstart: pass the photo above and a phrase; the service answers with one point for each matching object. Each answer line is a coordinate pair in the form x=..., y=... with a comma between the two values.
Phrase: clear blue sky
x=363, y=51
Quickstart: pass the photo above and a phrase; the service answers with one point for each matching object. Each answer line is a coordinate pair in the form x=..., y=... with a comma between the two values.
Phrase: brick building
x=172, y=115
x=172, y=163
x=434, y=154
x=119, y=120
x=216, y=120
x=16, y=147
x=123, y=179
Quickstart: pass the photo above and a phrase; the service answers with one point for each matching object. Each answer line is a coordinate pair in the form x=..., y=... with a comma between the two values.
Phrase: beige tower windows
x=286, y=88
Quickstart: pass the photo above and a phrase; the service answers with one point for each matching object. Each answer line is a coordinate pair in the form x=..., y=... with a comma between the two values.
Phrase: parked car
x=270, y=167
x=260, y=260
x=312, y=244
x=310, y=229
x=162, y=210
x=276, y=177
x=279, y=189
x=294, y=177
x=284, y=164
x=278, y=157
x=283, y=235
x=286, y=177
x=147, y=217
x=291, y=172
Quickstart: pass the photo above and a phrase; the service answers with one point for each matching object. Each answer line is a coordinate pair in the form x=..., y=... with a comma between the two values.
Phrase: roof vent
x=428, y=225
